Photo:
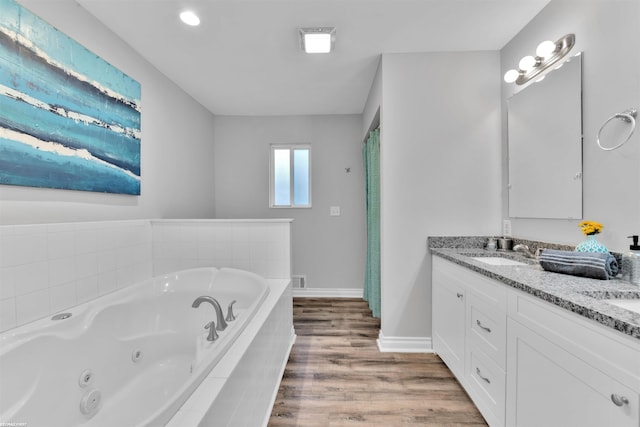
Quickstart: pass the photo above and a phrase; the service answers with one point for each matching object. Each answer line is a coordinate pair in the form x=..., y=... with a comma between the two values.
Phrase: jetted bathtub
x=129, y=358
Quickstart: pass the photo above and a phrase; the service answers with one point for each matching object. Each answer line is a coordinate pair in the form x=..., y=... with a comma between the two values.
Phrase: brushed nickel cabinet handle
x=459, y=295
x=483, y=327
x=489, y=381
x=619, y=400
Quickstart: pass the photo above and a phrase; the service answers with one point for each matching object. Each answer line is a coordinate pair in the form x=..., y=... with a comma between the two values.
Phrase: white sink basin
x=496, y=260
x=628, y=304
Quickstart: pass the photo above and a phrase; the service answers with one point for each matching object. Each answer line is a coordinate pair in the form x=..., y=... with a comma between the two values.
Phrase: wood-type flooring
x=336, y=376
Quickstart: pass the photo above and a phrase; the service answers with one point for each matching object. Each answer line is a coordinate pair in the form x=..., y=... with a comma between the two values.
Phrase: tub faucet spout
x=221, y=323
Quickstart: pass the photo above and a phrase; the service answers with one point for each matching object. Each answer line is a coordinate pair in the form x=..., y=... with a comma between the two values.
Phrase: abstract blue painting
x=68, y=119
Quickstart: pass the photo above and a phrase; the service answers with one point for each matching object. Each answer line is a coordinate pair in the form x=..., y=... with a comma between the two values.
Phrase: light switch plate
x=334, y=211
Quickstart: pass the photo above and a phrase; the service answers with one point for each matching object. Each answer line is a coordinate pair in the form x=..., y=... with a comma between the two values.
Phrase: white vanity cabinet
x=568, y=371
x=527, y=362
x=469, y=334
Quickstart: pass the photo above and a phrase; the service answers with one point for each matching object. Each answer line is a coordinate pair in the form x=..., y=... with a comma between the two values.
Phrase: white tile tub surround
x=259, y=246
x=46, y=268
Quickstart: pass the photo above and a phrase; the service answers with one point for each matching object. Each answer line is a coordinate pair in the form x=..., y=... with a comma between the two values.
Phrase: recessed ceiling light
x=317, y=39
x=190, y=18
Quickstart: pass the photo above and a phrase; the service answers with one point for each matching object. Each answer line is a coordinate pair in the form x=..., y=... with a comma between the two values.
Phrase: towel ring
x=628, y=116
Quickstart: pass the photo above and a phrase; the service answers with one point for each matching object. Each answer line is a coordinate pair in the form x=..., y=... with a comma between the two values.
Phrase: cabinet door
x=548, y=386
x=448, y=301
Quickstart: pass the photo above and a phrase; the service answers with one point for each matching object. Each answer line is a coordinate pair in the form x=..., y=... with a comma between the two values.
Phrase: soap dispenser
x=631, y=263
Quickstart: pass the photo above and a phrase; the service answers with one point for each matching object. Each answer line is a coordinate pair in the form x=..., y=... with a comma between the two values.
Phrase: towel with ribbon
x=585, y=264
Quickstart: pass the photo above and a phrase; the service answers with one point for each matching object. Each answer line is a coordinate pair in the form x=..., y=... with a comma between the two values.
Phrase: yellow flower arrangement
x=590, y=227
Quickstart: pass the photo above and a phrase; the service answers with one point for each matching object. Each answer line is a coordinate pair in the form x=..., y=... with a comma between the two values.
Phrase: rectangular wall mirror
x=545, y=145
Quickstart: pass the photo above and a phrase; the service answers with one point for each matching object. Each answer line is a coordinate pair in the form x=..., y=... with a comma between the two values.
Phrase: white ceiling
x=245, y=59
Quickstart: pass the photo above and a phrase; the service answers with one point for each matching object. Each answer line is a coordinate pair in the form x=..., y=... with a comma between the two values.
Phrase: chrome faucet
x=525, y=250
x=221, y=323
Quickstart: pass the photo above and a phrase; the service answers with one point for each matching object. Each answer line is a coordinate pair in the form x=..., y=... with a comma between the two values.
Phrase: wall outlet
x=334, y=211
x=506, y=227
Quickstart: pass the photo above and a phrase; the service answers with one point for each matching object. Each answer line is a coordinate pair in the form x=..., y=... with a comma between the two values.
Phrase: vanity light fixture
x=317, y=39
x=547, y=54
x=190, y=18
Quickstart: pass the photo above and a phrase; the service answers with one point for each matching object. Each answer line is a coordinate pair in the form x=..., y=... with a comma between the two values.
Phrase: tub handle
x=213, y=335
x=230, y=316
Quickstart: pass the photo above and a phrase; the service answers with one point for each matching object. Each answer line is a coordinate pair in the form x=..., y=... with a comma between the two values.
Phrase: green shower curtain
x=371, y=155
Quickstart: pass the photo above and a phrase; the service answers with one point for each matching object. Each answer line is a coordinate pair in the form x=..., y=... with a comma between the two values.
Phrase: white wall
x=608, y=32
x=330, y=251
x=177, y=149
x=440, y=171
x=371, y=112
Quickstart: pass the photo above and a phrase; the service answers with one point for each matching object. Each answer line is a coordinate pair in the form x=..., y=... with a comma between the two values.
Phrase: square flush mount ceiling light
x=317, y=39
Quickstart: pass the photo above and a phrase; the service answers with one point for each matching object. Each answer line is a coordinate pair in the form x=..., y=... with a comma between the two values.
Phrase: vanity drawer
x=485, y=288
x=486, y=386
x=487, y=328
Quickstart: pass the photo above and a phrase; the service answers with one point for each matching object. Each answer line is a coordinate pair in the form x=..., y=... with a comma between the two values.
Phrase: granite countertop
x=577, y=294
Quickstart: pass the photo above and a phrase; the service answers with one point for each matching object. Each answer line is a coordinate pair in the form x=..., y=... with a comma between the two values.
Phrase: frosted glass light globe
x=511, y=76
x=545, y=49
x=527, y=63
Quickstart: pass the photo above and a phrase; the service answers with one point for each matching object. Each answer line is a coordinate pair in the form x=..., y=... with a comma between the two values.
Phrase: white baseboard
x=327, y=293
x=404, y=344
